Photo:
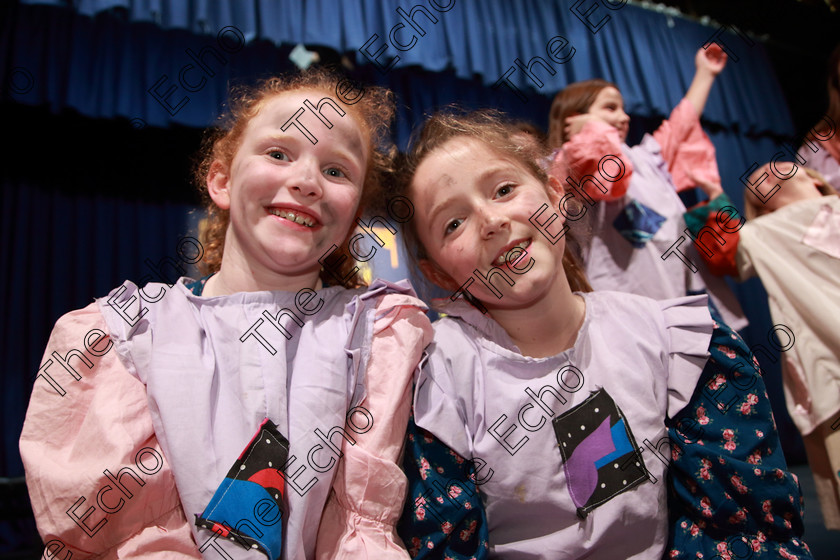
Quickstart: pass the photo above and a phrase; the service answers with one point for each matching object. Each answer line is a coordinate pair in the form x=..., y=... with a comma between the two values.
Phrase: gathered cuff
x=360, y=519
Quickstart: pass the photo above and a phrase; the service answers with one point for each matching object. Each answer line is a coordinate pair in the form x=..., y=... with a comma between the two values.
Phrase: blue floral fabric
x=637, y=223
x=730, y=493
x=444, y=517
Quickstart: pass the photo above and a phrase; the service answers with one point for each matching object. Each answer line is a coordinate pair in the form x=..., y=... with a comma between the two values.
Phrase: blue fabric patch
x=622, y=444
x=637, y=223
x=247, y=507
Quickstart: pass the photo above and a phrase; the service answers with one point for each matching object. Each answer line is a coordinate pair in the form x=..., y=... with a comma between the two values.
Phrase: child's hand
x=575, y=123
x=711, y=59
x=712, y=190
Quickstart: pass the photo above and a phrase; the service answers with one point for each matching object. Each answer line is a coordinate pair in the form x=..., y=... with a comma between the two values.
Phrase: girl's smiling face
x=290, y=200
x=609, y=106
x=472, y=206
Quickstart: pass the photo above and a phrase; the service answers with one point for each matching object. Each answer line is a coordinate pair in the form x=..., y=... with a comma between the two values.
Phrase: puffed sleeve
x=730, y=493
x=717, y=228
x=98, y=482
x=581, y=156
x=686, y=147
x=689, y=328
x=369, y=489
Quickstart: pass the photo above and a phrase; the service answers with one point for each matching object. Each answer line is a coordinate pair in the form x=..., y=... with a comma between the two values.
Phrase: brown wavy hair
x=576, y=98
x=373, y=110
x=494, y=129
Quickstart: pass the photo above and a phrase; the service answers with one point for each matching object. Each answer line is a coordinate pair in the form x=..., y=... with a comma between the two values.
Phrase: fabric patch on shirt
x=247, y=507
x=637, y=223
x=824, y=232
x=600, y=455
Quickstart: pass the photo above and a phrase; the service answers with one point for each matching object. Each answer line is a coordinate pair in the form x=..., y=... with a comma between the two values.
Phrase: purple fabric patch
x=583, y=476
x=600, y=455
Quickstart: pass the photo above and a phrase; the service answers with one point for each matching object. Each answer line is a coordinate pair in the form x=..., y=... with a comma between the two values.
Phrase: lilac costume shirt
x=213, y=368
x=491, y=404
x=638, y=242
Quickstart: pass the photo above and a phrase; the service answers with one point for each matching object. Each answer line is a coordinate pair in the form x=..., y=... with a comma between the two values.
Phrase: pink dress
x=134, y=464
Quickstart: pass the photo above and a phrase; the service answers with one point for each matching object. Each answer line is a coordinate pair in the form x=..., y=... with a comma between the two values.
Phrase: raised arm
x=715, y=225
x=710, y=62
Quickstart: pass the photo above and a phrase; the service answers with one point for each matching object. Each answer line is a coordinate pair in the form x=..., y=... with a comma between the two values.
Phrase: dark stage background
x=95, y=175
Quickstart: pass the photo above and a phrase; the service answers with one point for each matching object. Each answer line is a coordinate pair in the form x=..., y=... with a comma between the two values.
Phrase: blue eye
x=279, y=155
x=335, y=172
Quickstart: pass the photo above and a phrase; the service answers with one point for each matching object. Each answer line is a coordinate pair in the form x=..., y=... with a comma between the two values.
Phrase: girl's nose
x=493, y=221
x=307, y=182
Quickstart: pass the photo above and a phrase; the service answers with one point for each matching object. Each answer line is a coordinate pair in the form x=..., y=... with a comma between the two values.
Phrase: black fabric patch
x=599, y=452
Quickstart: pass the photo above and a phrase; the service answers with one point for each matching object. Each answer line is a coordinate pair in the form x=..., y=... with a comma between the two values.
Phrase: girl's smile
x=473, y=217
x=290, y=200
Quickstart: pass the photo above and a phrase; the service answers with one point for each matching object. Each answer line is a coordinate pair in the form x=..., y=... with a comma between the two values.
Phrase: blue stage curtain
x=648, y=54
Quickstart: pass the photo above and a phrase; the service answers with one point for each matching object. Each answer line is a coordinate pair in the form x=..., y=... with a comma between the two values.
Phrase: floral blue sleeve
x=731, y=495
x=443, y=517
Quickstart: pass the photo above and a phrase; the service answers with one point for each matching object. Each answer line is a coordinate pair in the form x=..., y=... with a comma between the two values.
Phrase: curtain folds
x=101, y=56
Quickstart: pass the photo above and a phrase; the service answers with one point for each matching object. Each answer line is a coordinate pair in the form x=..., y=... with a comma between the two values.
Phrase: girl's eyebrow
x=444, y=181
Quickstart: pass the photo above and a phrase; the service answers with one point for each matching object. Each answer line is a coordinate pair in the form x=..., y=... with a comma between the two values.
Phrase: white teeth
x=503, y=256
x=292, y=217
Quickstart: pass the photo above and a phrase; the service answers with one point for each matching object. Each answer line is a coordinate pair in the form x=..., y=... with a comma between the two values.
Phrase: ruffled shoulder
x=689, y=327
x=364, y=308
x=442, y=402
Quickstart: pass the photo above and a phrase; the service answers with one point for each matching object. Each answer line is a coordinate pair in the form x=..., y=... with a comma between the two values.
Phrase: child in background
x=550, y=398
x=633, y=209
x=261, y=346
x=791, y=240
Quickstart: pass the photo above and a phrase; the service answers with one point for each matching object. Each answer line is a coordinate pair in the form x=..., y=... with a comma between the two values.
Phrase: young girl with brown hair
x=245, y=388
x=630, y=194
x=557, y=403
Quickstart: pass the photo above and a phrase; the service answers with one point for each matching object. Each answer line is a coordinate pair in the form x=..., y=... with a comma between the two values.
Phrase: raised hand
x=711, y=59
x=712, y=189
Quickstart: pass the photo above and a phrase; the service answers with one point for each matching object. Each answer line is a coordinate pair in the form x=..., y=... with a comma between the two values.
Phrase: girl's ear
x=555, y=190
x=218, y=184
x=433, y=272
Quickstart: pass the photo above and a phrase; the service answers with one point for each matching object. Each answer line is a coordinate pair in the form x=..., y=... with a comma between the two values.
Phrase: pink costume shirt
x=208, y=386
x=572, y=487
x=635, y=215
